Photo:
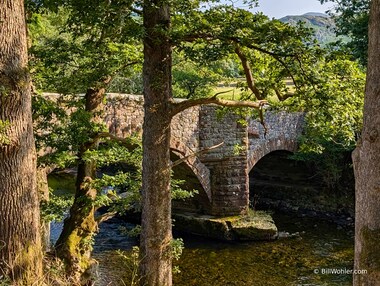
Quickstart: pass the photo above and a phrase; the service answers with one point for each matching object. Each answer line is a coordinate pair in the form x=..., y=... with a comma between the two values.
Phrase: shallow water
x=298, y=260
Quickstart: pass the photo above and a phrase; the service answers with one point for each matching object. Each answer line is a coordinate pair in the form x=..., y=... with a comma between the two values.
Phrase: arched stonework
x=283, y=131
x=274, y=144
x=193, y=162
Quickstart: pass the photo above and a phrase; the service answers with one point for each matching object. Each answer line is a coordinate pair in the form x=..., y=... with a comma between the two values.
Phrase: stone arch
x=198, y=168
x=273, y=144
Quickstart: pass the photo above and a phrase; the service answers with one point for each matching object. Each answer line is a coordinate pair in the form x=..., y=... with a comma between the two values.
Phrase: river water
x=309, y=248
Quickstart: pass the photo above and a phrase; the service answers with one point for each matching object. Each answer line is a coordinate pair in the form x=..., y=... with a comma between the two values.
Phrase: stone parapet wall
x=124, y=114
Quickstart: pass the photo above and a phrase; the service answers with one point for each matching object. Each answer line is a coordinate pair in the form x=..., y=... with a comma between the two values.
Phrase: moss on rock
x=252, y=226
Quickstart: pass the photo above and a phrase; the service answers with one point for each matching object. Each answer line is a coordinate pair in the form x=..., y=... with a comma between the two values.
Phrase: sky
x=281, y=8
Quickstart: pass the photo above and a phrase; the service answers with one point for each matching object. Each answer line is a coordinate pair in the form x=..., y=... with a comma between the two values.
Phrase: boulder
x=256, y=225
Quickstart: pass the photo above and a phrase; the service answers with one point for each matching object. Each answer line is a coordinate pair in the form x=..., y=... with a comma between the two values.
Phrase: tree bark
x=156, y=235
x=43, y=192
x=74, y=245
x=366, y=159
x=20, y=242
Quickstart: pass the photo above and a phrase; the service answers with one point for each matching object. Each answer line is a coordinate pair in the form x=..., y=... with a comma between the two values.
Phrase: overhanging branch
x=203, y=151
x=105, y=217
x=248, y=73
x=282, y=97
x=125, y=142
x=178, y=107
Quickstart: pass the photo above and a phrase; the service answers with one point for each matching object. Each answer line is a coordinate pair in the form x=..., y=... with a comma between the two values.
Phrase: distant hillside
x=322, y=24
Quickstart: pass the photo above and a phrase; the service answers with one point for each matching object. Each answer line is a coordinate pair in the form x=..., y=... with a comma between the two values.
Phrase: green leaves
x=334, y=117
x=72, y=50
x=55, y=208
x=351, y=18
x=191, y=80
x=335, y=108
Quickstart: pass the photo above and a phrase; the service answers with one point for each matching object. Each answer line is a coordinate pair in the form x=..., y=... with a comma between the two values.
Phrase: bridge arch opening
x=278, y=182
x=200, y=202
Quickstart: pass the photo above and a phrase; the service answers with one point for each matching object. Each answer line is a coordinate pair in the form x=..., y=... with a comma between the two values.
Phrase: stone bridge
x=223, y=173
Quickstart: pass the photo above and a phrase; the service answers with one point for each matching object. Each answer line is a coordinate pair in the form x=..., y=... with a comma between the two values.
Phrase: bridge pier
x=229, y=187
x=228, y=164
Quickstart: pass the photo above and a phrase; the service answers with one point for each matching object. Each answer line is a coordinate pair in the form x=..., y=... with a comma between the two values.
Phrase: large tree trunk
x=20, y=242
x=156, y=236
x=74, y=245
x=367, y=166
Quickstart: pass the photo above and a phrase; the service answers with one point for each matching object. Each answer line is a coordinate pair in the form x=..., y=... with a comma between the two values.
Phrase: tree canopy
x=351, y=18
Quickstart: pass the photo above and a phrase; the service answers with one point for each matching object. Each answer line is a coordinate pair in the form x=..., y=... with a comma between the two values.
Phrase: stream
x=307, y=249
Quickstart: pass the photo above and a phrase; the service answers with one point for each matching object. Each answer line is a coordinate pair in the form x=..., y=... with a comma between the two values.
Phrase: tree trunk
x=20, y=242
x=366, y=159
x=74, y=245
x=43, y=192
x=156, y=236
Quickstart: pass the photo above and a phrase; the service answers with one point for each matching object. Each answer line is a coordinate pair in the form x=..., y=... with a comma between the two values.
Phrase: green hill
x=322, y=24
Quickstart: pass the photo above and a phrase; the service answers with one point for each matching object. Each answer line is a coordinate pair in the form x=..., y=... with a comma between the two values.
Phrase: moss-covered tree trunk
x=43, y=192
x=20, y=242
x=366, y=159
x=156, y=236
x=74, y=245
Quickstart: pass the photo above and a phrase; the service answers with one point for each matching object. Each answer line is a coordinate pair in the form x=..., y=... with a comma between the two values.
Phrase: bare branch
x=194, y=37
x=203, y=151
x=276, y=56
x=261, y=115
x=248, y=73
x=127, y=143
x=105, y=217
x=125, y=66
x=178, y=107
x=282, y=97
x=264, y=51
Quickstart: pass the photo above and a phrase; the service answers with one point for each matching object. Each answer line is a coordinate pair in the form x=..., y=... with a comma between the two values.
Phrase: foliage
x=56, y=207
x=72, y=52
x=334, y=116
x=134, y=232
x=178, y=193
x=177, y=247
x=334, y=105
x=351, y=18
x=193, y=80
x=238, y=148
x=61, y=125
x=131, y=262
x=272, y=49
x=120, y=192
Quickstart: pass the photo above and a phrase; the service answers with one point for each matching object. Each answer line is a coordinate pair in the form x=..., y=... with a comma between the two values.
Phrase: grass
x=232, y=92
x=229, y=92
